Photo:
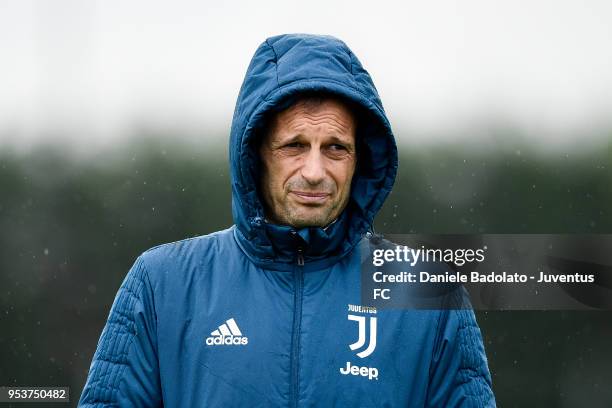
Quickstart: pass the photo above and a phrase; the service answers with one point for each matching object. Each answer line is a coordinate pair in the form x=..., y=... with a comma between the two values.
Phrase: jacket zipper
x=297, y=322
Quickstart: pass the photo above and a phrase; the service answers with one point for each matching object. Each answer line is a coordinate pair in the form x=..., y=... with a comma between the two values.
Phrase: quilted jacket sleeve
x=125, y=371
x=459, y=375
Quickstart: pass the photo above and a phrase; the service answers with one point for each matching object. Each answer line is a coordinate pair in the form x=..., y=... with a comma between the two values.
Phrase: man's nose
x=313, y=169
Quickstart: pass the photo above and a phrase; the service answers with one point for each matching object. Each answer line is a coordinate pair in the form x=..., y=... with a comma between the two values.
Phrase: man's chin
x=310, y=218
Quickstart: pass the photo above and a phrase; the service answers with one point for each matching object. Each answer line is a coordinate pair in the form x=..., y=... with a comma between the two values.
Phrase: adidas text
x=231, y=340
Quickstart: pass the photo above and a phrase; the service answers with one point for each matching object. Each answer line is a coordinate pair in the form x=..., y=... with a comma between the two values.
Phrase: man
x=267, y=313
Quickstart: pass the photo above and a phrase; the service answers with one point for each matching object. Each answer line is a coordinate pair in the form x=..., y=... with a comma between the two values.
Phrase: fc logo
x=362, y=335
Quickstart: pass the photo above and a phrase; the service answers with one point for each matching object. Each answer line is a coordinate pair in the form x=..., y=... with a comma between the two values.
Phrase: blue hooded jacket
x=263, y=315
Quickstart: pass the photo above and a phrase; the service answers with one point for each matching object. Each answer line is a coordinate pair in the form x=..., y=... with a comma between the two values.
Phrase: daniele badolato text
x=459, y=257
x=478, y=277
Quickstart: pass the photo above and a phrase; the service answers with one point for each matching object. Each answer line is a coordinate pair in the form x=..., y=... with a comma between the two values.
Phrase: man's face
x=308, y=160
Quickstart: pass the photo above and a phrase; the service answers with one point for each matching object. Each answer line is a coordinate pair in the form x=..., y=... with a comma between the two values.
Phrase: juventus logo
x=362, y=335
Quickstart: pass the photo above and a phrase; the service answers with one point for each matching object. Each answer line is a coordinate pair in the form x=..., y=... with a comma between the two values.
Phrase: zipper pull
x=300, y=256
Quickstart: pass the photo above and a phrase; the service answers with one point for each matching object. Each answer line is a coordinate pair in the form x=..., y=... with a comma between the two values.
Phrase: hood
x=282, y=68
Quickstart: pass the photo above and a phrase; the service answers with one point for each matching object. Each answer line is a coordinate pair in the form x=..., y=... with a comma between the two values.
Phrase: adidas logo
x=227, y=334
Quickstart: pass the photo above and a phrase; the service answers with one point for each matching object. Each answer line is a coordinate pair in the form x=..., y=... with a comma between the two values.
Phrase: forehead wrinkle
x=336, y=124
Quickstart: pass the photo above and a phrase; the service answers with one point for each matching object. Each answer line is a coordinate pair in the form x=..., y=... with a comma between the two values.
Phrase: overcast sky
x=92, y=71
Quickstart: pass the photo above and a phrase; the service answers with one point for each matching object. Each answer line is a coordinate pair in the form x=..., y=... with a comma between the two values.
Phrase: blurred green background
x=70, y=228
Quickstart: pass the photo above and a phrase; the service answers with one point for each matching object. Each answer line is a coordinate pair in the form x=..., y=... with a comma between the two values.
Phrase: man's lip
x=310, y=194
x=310, y=197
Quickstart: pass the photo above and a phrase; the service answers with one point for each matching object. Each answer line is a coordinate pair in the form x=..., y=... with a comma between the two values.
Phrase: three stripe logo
x=229, y=328
x=227, y=334
x=362, y=335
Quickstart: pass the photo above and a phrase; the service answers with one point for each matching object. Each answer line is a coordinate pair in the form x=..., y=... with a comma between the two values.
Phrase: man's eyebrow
x=286, y=139
x=346, y=141
x=296, y=137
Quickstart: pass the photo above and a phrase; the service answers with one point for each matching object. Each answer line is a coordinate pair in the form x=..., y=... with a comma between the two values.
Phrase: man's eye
x=337, y=147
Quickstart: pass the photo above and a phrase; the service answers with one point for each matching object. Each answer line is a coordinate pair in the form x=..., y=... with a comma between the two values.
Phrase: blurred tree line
x=70, y=228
